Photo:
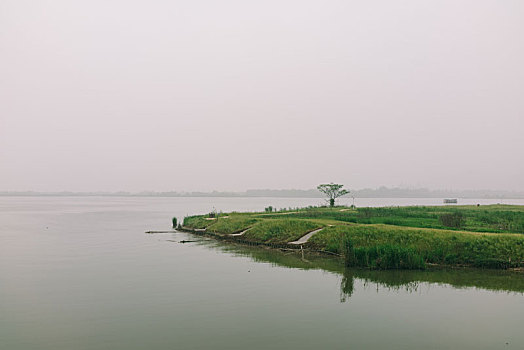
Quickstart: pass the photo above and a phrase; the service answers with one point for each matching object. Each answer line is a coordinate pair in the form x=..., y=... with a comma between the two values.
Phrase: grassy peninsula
x=384, y=238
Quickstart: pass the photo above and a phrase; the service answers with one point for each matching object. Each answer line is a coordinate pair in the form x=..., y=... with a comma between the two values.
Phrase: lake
x=80, y=273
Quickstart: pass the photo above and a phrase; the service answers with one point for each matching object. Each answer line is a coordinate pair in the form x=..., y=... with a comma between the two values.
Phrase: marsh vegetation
x=388, y=237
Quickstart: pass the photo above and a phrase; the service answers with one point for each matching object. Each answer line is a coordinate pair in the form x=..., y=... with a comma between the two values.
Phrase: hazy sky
x=230, y=95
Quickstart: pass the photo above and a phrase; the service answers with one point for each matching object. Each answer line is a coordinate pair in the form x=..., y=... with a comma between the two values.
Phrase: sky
x=230, y=95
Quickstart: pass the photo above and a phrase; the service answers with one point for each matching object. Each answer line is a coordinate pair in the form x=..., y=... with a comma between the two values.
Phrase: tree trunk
x=331, y=202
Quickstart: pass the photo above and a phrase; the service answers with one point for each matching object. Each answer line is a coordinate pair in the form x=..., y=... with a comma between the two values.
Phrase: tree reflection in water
x=347, y=286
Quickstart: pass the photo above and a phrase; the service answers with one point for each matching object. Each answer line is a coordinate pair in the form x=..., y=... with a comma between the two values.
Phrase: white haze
x=229, y=95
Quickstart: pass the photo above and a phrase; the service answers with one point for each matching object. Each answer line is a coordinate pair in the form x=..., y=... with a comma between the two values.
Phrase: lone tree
x=332, y=191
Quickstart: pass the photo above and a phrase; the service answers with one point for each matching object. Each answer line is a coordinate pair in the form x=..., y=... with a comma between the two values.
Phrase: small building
x=450, y=200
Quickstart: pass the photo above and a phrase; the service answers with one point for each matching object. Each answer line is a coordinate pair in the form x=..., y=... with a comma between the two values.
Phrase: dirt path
x=306, y=237
x=240, y=233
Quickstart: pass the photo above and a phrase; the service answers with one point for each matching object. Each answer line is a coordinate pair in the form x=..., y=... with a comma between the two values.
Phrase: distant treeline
x=381, y=192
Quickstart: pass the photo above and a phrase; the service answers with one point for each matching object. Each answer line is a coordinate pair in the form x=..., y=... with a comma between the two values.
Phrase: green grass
x=198, y=221
x=232, y=224
x=433, y=246
x=384, y=256
x=393, y=237
x=490, y=218
x=280, y=230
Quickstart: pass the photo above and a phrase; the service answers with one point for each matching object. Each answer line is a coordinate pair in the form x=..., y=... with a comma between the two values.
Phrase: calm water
x=79, y=273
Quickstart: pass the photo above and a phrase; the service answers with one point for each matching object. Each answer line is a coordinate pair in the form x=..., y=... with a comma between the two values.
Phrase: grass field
x=390, y=238
x=280, y=230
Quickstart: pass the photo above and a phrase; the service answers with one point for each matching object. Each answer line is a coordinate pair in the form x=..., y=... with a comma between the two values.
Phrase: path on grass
x=240, y=233
x=306, y=237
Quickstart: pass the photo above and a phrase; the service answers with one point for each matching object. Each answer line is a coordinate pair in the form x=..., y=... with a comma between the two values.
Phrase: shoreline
x=488, y=237
x=296, y=248
x=235, y=239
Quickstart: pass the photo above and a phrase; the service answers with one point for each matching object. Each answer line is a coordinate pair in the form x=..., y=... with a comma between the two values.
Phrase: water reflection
x=347, y=287
x=410, y=281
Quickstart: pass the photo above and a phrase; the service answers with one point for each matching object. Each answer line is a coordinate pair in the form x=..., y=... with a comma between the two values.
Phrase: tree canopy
x=332, y=191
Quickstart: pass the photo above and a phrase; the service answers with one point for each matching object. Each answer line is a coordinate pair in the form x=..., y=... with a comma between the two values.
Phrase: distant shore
x=382, y=192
